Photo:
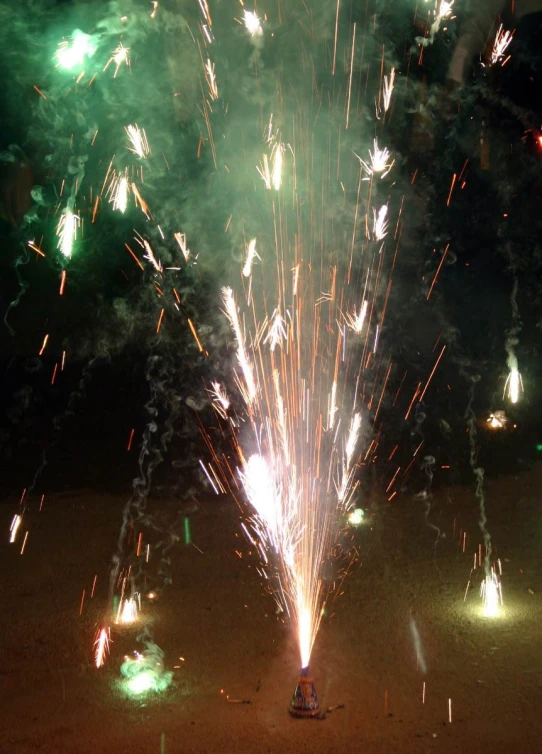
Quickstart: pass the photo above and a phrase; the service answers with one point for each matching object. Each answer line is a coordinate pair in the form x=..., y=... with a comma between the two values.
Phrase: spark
x=138, y=140
x=101, y=645
x=380, y=224
x=271, y=168
x=118, y=57
x=351, y=444
x=119, y=190
x=67, y=232
x=251, y=256
x=149, y=254
x=387, y=89
x=233, y=316
x=379, y=161
x=211, y=79
x=277, y=331
x=252, y=23
x=220, y=396
x=181, y=240
x=500, y=45
x=355, y=321
x=14, y=528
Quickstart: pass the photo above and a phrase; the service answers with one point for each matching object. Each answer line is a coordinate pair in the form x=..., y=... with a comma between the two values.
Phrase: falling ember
x=101, y=647
x=62, y=282
x=44, y=345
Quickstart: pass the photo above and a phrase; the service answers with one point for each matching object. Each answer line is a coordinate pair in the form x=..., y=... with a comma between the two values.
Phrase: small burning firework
x=67, y=231
x=497, y=420
x=491, y=593
x=513, y=387
x=128, y=610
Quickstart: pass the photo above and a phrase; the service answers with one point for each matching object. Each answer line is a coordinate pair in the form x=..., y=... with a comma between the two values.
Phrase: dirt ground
x=217, y=616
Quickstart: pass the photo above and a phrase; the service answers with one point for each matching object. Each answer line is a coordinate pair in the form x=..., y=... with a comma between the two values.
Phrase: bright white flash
x=252, y=23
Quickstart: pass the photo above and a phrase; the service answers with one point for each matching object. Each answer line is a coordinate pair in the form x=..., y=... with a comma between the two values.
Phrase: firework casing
x=305, y=701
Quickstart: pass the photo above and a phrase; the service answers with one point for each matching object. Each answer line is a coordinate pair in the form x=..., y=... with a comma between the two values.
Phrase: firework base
x=304, y=701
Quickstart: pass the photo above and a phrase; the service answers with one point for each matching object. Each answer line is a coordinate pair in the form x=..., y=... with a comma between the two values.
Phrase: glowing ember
x=497, y=420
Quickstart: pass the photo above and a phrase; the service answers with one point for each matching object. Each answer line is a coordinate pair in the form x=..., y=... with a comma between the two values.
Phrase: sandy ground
x=219, y=619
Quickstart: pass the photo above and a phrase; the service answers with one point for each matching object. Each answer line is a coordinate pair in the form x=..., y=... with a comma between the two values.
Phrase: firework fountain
x=308, y=362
